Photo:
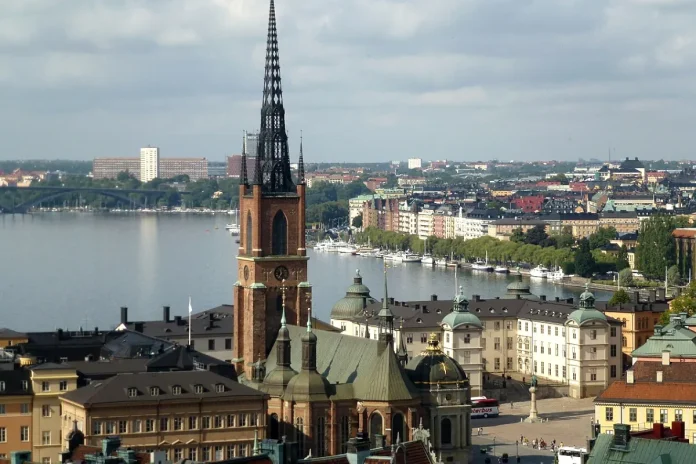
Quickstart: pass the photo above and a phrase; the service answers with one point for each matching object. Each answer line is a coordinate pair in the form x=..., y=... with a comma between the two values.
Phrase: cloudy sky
x=364, y=79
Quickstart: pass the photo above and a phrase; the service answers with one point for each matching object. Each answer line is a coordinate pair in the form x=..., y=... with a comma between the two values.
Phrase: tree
x=656, y=250
x=619, y=296
x=626, y=277
x=622, y=258
x=536, y=235
x=684, y=303
x=358, y=221
x=564, y=240
x=602, y=237
x=673, y=275
x=584, y=262
x=517, y=236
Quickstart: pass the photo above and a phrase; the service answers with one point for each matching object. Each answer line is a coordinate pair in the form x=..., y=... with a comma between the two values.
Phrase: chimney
x=177, y=320
x=658, y=430
x=659, y=376
x=211, y=319
x=138, y=327
x=630, y=379
x=678, y=429
x=661, y=294
x=96, y=331
x=652, y=295
x=358, y=448
x=433, y=297
x=542, y=297
x=570, y=300
x=665, y=357
x=476, y=297
x=124, y=315
x=165, y=313
x=391, y=300
x=657, y=330
x=622, y=435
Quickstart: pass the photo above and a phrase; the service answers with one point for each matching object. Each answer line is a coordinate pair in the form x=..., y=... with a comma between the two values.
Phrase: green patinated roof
x=581, y=316
x=368, y=367
x=641, y=450
x=678, y=340
x=352, y=305
x=457, y=319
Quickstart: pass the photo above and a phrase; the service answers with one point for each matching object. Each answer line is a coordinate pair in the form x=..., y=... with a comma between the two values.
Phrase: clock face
x=246, y=272
x=281, y=273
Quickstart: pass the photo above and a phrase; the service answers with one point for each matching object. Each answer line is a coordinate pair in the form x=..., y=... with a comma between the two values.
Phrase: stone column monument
x=533, y=414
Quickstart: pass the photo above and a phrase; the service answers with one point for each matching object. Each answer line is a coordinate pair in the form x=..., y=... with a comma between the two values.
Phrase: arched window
x=300, y=436
x=446, y=432
x=249, y=228
x=375, y=427
x=280, y=235
x=275, y=427
x=320, y=440
x=398, y=428
x=345, y=433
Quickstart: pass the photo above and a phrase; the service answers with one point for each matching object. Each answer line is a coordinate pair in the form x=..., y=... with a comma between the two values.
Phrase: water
x=71, y=269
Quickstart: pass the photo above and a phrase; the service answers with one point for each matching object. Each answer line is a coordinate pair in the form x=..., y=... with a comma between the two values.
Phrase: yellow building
x=9, y=337
x=49, y=381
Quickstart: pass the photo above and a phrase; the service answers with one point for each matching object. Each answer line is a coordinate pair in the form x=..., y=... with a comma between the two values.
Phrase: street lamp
x=493, y=446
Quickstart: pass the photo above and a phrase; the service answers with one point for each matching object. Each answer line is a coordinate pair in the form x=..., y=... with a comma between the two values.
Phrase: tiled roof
x=646, y=371
x=345, y=359
x=649, y=393
x=641, y=451
x=410, y=452
x=115, y=389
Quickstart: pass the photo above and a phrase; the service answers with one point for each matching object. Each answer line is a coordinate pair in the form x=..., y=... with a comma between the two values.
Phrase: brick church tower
x=272, y=252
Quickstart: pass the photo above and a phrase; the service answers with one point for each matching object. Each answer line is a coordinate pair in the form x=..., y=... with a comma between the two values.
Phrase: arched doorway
x=280, y=235
x=398, y=428
x=274, y=427
x=446, y=432
x=376, y=427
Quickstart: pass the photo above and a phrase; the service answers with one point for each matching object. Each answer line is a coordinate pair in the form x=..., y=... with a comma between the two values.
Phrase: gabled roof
x=344, y=359
x=648, y=393
x=641, y=450
x=9, y=333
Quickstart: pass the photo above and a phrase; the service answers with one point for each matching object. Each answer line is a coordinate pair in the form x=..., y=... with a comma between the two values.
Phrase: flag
x=190, y=307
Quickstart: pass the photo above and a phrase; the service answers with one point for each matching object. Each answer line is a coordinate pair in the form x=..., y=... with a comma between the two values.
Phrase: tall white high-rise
x=149, y=163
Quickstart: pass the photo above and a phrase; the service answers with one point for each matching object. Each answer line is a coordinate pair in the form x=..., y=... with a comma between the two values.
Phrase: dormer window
x=176, y=390
x=220, y=388
x=2, y=386
x=132, y=392
x=198, y=388
x=154, y=391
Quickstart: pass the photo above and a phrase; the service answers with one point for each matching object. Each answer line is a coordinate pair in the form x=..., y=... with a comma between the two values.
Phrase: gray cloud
x=364, y=79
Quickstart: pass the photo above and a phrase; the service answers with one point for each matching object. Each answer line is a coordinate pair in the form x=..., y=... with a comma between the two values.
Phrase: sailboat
x=233, y=228
x=482, y=265
x=427, y=257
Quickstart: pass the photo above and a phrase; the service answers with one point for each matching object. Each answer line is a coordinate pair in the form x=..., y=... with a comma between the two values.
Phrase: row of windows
x=496, y=363
x=174, y=423
x=546, y=370
x=650, y=415
x=23, y=434
x=45, y=386
x=23, y=409
x=176, y=390
x=207, y=453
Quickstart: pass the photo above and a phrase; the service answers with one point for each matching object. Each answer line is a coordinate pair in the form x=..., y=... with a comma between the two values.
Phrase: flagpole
x=189, y=324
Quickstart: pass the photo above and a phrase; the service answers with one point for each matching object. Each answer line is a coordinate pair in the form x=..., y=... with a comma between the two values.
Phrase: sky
x=365, y=80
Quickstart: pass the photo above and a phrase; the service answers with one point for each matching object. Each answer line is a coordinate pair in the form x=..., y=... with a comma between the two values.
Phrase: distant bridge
x=49, y=193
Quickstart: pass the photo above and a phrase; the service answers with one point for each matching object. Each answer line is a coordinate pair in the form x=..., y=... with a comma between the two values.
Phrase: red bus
x=484, y=407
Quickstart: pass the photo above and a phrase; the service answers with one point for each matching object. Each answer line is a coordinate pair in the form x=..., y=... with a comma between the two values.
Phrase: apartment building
x=474, y=223
x=149, y=163
x=15, y=410
x=563, y=344
x=195, y=415
x=622, y=221
x=164, y=168
x=49, y=382
x=234, y=166
x=109, y=168
x=194, y=168
x=502, y=229
x=381, y=213
x=426, y=222
x=408, y=219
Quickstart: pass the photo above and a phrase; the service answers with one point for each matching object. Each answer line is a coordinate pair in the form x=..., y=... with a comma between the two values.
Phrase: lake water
x=77, y=269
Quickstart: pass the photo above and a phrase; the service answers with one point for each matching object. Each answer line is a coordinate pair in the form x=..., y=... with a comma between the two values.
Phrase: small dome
x=519, y=289
x=586, y=311
x=460, y=314
x=433, y=367
x=307, y=386
x=352, y=306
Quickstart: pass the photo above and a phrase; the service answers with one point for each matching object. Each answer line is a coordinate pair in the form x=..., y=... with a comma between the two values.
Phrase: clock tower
x=272, y=252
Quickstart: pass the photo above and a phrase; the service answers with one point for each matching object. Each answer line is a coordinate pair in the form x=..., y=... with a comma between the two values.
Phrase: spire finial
x=243, y=178
x=309, y=320
x=283, y=321
x=300, y=164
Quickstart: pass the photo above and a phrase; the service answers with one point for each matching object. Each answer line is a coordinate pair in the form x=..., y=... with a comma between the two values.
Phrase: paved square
x=568, y=423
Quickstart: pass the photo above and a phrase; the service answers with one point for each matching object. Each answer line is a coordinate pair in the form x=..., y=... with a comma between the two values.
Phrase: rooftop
x=648, y=393
x=640, y=450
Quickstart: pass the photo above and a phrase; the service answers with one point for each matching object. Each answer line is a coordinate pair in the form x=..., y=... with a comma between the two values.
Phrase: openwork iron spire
x=300, y=165
x=272, y=158
x=244, y=178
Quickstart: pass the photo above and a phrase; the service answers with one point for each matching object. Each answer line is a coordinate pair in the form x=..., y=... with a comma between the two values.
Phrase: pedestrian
x=523, y=379
x=512, y=404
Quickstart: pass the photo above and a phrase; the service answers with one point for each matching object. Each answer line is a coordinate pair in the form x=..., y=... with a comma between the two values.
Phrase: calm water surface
x=76, y=269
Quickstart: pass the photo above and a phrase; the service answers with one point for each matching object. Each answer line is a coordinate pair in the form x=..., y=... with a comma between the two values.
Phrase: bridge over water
x=48, y=193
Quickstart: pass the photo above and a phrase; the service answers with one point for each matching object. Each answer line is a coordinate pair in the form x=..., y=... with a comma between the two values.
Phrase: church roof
x=368, y=366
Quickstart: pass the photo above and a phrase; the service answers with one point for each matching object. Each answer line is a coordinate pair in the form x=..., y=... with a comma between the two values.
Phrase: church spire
x=300, y=165
x=273, y=159
x=243, y=178
x=385, y=316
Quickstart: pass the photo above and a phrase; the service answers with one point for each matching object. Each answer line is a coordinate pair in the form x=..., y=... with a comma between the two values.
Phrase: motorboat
x=441, y=262
x=556, y=275
x=428, y=259
x=452, y=264
x=482, y=265
x=397, y=257
x=500, y=269
x=539, y=271
x=233, y=229
x=411, y=258
x=347, y=249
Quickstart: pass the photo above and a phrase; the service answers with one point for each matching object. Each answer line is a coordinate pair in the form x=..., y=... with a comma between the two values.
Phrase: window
x=496, y=343
x=613, y=351
x=193, y=423
x=220, y=388
x=483, y=343
x=178, y=454
x=45, y=460
x=279, y=235
x=447, y=338
x=45, y=386
x=613, y=371
x=563, y=371
x=593, y=376
x=3, y=435
x=519, y=325
x=497, y=364
x=466, y=356
x=535, y=367
x=573, y=353
x=409, y=338
x=46, y=410
x=542, y=347
x=46, y=437
x=24, y=433
x=593, y=334
x=446, y=432
x=678, y=417
x=542, y=367
x=556, y=370
x=632, y=414
x=228, y=342
x=154, y=391
x=556, y=353
x=534, y=328
x=650, y=415
x=612, y=331
x=252, y=420
x=178, y=423
x=231, y=451
x=574, y=375
x=96, y=427
x=110, y=427
x=424, y=338
x=25, y=385
x=205, y=453
x=132, y=392
x=509, y=343
x=556, y=331
x=231, y=420
x=535, y=347
x=508, y=364
x=137, y=426
x=526, y=326
x=663, y=416
x=541, y=329
x=63, y=385
x=496, y=325
x=609, y=414
x=149, y=425
x=693, y=418
x=211, y=344
x=164, y=424
x=467, y=339
x=575, y=335
x=242, y=420
x=244, y=448
x=2, y=409
x=198, y=388
x=217, y=422
x=192, y=452
x=624, y=342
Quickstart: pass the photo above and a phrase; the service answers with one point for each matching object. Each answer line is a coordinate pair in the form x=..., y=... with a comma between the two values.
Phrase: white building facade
x=415, y=163
x=149, y=163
